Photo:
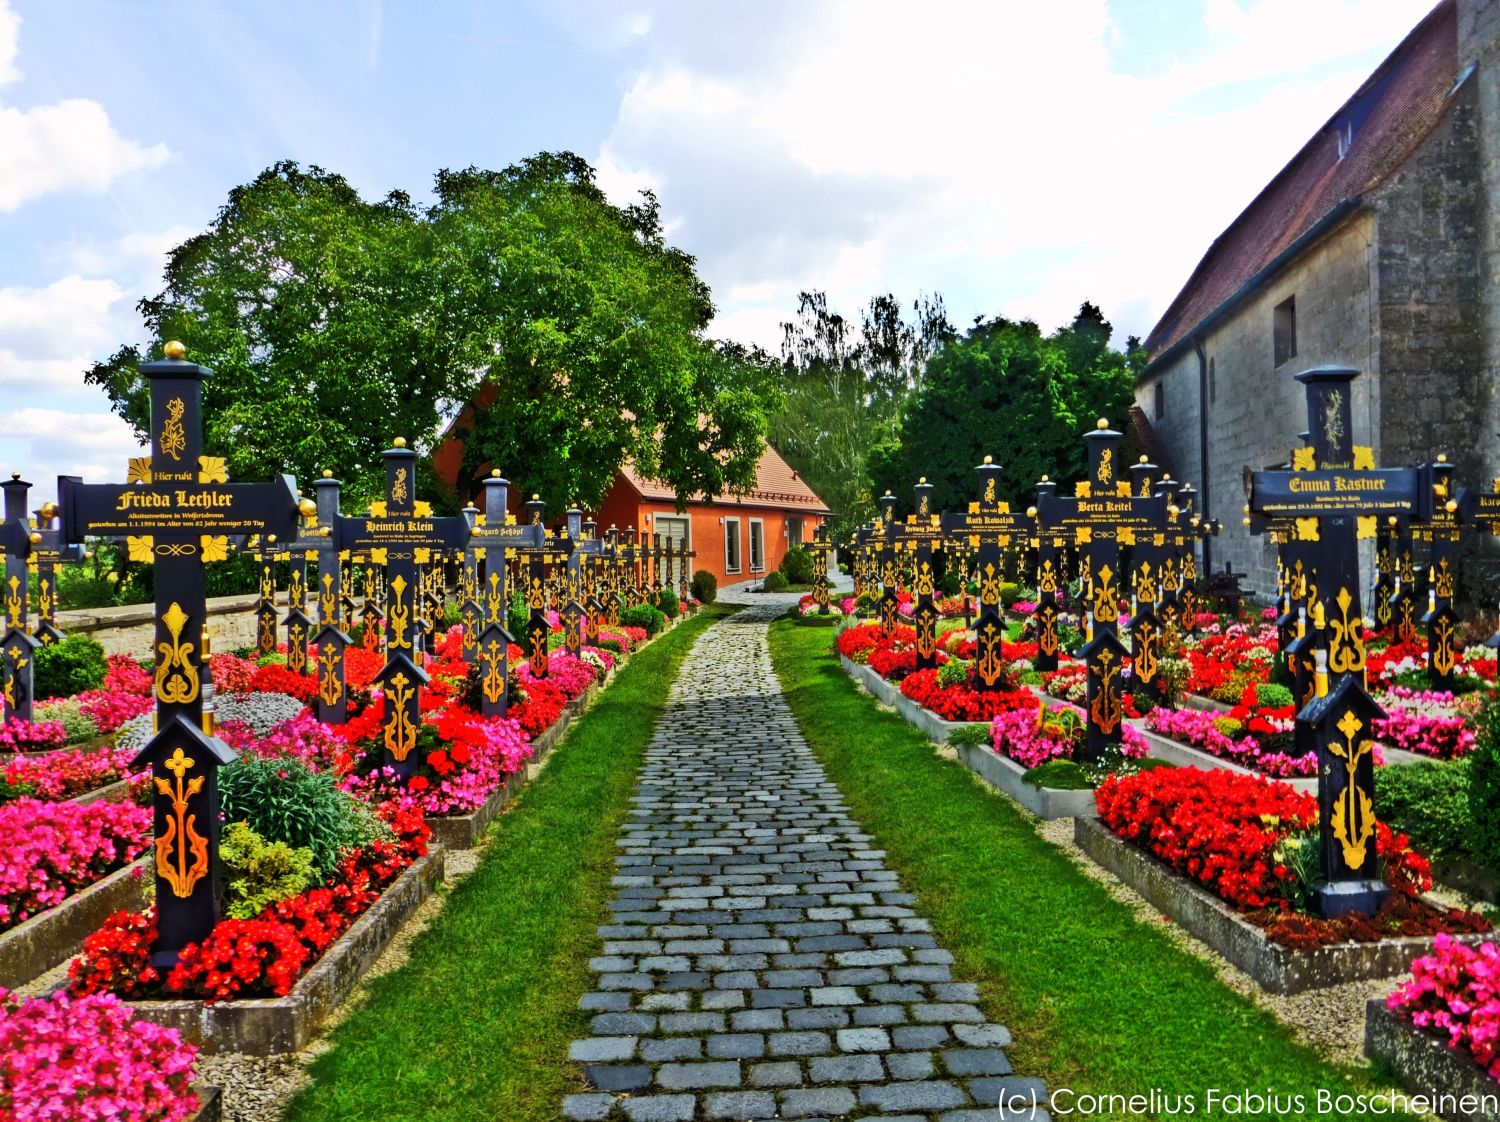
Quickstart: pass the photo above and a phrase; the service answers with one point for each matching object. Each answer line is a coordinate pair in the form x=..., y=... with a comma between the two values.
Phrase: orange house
x=737, y=537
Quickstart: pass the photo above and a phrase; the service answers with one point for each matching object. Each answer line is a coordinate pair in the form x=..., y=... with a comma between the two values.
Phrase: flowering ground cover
x=1428, y=722
x=89, y=1059
x=1222, y=665
x=1038, y=734
x=1455, y=993
x=1252, y=842
x=1256, y=733
x=54, y=849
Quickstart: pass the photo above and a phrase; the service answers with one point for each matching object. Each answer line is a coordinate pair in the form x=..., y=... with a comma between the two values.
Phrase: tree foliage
x=1008, y=391
x=845, y=384
x=335, y=324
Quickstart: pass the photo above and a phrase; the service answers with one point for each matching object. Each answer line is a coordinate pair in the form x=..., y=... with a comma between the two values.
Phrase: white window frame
x=732, y=526
x=678, y=559
x=761, y=524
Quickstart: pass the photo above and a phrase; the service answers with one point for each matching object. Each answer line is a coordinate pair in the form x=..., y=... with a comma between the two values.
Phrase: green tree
x=1008, y=391
x=335, y=324
x=845, y=385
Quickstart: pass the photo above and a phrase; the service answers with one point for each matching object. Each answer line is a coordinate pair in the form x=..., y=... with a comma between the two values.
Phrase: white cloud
x=994, y=152
x=45, y=443
x=69, y=145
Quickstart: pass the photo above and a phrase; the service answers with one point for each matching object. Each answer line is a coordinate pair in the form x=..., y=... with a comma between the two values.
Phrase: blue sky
x=1016, y=157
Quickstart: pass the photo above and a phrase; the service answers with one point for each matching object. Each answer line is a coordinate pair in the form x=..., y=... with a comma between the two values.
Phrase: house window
x=731, y=545
x=757, y=545
x=1160, y=405
x=1213, y=386
x=1284, y=330
x=675, y=530
x=793, y=532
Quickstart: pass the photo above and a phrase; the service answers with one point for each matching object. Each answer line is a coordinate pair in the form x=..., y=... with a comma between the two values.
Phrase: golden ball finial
x=1143, y=459
x=34, y=538
x=1046, y=479
x=15, y=475
x=536, y=498
x=327, y=473
x=1450, y=506
x=1442, y=457
x=174, y=350
x=884, y=496
x=1102, y=424
x=1031, y=512
x=989, y=459
x=399, y=442
x=494, y=473
x=922, y=482
x=307, y=508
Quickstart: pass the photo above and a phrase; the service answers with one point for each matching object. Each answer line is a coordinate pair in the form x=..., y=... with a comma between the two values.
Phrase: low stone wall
x=1007, y=775
x=1277, y=969
x=1460, y=1090
x=30, y=949
x=131, y=629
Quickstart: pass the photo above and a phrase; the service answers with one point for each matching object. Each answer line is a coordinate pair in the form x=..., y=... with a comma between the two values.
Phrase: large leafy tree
x=335, y=324
x=845, y=384
x=1008, y=391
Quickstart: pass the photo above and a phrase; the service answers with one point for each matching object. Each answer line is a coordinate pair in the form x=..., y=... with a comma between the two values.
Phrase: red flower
x=418, y=783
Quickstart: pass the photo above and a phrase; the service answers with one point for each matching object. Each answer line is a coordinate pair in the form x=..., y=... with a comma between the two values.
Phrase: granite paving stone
x=761, y=961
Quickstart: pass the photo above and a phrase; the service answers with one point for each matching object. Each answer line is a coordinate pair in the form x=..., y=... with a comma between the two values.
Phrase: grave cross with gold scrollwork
x=1335, y=496
x=179, y=511
x=919, y=537
x=991, y=530
x=400, y=534
x=1102, y=515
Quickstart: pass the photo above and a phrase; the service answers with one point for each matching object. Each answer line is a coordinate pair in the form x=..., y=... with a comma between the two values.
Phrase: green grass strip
x=477, y=1023
x=1097, y=1001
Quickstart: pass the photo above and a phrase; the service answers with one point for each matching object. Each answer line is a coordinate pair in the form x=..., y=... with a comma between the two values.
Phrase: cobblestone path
x=762, y=961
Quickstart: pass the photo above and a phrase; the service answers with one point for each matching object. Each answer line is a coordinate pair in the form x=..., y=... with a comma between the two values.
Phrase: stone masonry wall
x=132, y=629
x=1255, y=409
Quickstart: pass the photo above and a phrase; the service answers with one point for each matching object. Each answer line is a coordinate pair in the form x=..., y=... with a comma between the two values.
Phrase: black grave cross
x=580, y=548
x=496, y=536
x=47, y=552
x=399, y=534
x=179, y=509
x=820, y=547
x=991, y=530
x=537, y=558
x=17, y=645
x=1050, y=582
x=921, y=535
x=332, y=640
x=1335, y=495
x=883, y=542
x=1102, y=515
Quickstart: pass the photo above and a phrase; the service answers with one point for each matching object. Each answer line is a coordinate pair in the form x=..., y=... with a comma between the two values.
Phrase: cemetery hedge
x=705, y=587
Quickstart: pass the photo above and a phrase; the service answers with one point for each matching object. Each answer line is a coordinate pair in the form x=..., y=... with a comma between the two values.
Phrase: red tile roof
x=776, y=485
x=1389, y=115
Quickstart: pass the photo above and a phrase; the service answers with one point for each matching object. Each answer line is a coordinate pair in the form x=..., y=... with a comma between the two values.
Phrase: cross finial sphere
x=1103, y=423
x=989, y=459
x=399, y=442
x=174, y=349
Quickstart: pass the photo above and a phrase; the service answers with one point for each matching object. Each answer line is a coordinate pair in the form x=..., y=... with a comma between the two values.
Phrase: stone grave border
x=30, y=949
x=273, y=1025
x=1208, y=919
x=1424, y=1063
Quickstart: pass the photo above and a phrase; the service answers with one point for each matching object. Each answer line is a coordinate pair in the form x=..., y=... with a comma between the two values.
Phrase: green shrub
x=670, y=606
x=954, y=672
x=1060, y=775
x=643, y=615
x=1273, y=696
x=67, y=711
x=975, y=734
x=797, y=566
x=1429, y=801
x=775, y=582
x=284, y=800
x=275, y=658
x=1009, y=594
x=258, y=873
x=1484, y=787
x=78, y=586
x=71, y=666
x=517, y=616
x=705, y=587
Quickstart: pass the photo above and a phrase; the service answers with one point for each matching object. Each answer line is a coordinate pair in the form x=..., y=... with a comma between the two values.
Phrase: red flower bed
x=252, y=957
x=1217, y=827
x=963, y=702
x=543, y=705
x=275, y=678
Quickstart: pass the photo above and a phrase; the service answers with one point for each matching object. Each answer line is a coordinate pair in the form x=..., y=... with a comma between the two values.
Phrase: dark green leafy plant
x=797, y=566
x=1484, y=787
x=258, y=873
x=705, y=587
x=670, y=606
x=775, y=582
x=516, y=616
x=975, y=734
x=284, y=800
x=643, y=615
x=1060, y=775
x=71, y=666
x=1429, y=801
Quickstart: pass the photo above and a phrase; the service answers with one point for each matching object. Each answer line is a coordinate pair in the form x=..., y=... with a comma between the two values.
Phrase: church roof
x=776, y=485
x=1367, y=140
